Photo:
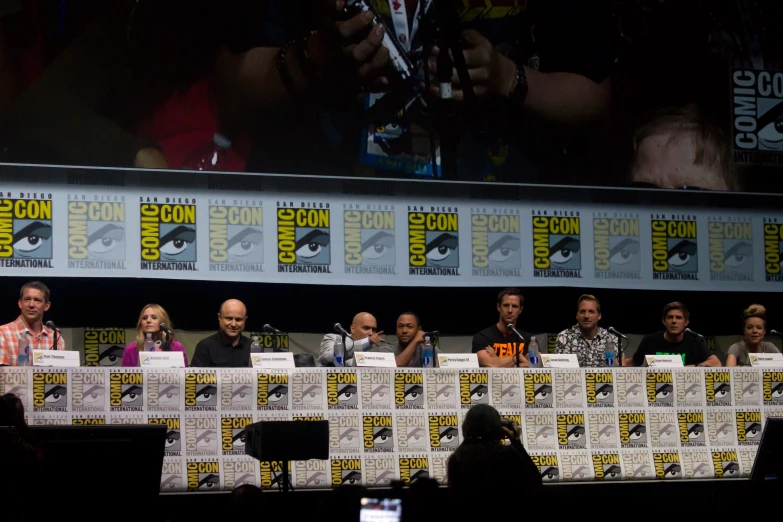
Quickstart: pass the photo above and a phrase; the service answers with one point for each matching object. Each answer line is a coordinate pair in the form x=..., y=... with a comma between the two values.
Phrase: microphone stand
x=619, y=351
x=54, y=338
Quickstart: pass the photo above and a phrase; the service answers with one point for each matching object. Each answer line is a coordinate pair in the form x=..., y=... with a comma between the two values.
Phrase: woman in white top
x=755, y=317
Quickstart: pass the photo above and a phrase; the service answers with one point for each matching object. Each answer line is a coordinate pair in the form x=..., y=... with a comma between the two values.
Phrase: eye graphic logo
x=411, y=432
x=272, y=391
x=314, y=473
x=548, y=467
x=103, y=346
x=603, y=430
x=773, y=249
x=540, y=430
x=473, y=388
x=88, y=391
x=232, y=434
x=506, y=389
x=126, y=390
x=171, y=476
x=599, y=389
x=409, y=390
x=303, y=240
x=731, y=250
x=412, y=469
x=747, y=387
x=675, y=249
x=749, y=427
x=663, y=429
x=726, y=464
x=433, y=243
x=203, y=476
x=606, y=466
x=667, y=465
x=557, y=245
x=50, y=390
x=757, y=116
x=660, y=388
x=168, y=236
x=444, y=432
x=772, y=386
x=346, y=471
x=26, y=233
x=617, y=248
x=342, y=390
x=692, y=429
x=173, y=443
x=15, y=382
x=718, y=388
x=369, y=242
x=96, y=235
x=633, y=430
x=236, y=238
x=495, y=245
x=201, y=391
x=376, y=389
x=571, y=431
x=345, y=434
x=378, y=433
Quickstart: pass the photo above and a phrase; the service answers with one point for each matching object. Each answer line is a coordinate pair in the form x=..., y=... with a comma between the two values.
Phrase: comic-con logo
x=15, y=383
x=599, y=389
x=411, y=432
x=168, y=234
x=720, y=426
x=692, y=431
x=773, y=249
x=272, y=473
x=201, y=434
x=726, y=464
x=232, y=433
x=548, y=466
x=103, y=346
x=303, y=238
x=633, y=429
x=238, y=472
x=538, y=390
x=376, y=389
x=731, y=250
x=88, y=390
x=663, y=429
x=203, y=476
x=173, y=442
x=660, y=388
x=444, y=432
x=201, y=391
x=667, y=465
x=675, y=248
x=495, y=243
x=344, y=434
x=718, y=388
x=568, y=389
x=379, y=470
x=313, y=473
x=603, y=430
x=236, y=238
x=616, y=247
x=342, y=390
x=606, y=466
x=412, y=469
x=473, y=388
x=96, y=234
x=749, y=427
x=369, y=241
x=630, y=388
x=571, y=431
x=540, y=430
x=757, y=112
x=690, y=389
x=88, y=420
x=772, y=388
x=272, y=391
x=557, y=244
x=126, y=390
x=26, y=231
x=408, y=390
x=506, y=389
x=575, y=467
x=378, y=433
x=307, y=390
x=747, y=387
x=171, y=476
x=433, y=241
x=236, y=390
x=346, y=471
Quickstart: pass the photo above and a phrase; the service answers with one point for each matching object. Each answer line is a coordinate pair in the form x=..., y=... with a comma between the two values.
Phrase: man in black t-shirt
x=497, y=346
x=673, y=341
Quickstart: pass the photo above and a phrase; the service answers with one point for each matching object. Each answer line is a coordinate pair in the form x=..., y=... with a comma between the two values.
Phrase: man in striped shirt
x=33, y=302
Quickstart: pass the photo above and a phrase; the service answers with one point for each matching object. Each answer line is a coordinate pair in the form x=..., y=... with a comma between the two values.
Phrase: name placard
x=560, y=360
x=664, y=361
x=375, y=360
x=56, y=358
x=766, y=360
x=458, y=360
x=278, y=360
x=161, y=359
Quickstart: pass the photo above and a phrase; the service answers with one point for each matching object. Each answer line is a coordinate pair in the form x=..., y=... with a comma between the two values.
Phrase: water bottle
x=255, y=347
x=149, y=344
x=426, y=353
x=339, y=352
x=609, y=357
x=211, y=156
x=532, y=353
x=24, y=354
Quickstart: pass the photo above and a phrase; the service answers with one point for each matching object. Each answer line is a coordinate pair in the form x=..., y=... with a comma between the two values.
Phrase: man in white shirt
x=364, y=336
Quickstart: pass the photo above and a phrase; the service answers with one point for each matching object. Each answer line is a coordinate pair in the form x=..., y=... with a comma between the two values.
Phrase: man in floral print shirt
x=585, y=338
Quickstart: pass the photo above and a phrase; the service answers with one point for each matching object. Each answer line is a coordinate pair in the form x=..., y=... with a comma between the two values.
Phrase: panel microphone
x=339, y=329
x=700, y=336
x=431, y=334
x=271, y=329
x=164, y=328
x=51, y=326
x=611, y=330
x=775, y=332
x=513, y=328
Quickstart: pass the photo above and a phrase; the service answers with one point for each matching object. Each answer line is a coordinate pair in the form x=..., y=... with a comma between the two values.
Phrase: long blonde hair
x=164, y=318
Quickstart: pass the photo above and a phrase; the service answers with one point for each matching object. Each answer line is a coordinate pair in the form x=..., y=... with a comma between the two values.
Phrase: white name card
x=664, y=361
x=277, y=360
x=161, y=359
x=560, y=360
x=56, y=358
x=458, y=360
x=766, y=360
x=375, y=360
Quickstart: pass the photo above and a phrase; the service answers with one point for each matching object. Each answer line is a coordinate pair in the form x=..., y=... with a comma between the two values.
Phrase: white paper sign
x=766, y=360
x=664, y=361
x=458, y=360
x=56, y=358
x=375, y=360
x=279, y=360
x=161, y=359
x=560, y=360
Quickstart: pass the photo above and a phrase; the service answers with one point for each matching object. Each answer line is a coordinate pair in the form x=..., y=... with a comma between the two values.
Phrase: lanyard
x=399, y=15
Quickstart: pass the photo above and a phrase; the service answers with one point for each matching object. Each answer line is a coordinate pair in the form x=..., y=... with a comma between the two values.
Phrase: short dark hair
x=588, y=297
x=676, y=305
x=511, y=292
x=35, y=285
x=412, y=314
x=482, y=422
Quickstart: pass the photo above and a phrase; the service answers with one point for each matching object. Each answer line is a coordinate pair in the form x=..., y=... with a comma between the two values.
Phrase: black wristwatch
x=520, y=91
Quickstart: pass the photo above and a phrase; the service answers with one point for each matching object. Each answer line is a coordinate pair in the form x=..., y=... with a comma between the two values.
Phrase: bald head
x=231, y=318
x=363, y=326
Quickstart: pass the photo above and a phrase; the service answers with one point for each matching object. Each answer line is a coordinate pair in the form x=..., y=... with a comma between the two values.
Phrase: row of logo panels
x=210, y=474
x=47, y=390
x=168, y=233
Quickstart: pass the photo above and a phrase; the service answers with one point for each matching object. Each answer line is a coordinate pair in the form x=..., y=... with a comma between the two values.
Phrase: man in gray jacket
x=365, y=334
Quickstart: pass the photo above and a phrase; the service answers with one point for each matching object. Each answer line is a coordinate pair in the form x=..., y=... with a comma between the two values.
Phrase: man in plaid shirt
x=586, y=339
x=33, y=302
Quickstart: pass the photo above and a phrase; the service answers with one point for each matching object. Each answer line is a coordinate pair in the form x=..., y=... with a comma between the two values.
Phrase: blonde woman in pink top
x=150, y=319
